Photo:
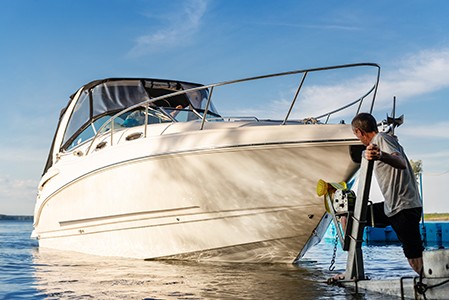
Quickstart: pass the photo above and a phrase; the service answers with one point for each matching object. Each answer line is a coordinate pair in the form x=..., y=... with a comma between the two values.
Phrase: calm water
x=27, y=272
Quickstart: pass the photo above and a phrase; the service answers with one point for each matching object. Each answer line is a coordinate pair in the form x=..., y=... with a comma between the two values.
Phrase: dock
x=434, y=234
x=403, y=288
x=432, y=284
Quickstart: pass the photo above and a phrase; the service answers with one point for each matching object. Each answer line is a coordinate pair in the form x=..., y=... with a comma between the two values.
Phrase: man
x=402, y=207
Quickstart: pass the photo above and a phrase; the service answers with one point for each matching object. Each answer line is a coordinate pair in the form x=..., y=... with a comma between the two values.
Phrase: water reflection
x=63, y=275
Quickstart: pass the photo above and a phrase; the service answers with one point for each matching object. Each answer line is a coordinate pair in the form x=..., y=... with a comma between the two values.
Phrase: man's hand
x=373, y=152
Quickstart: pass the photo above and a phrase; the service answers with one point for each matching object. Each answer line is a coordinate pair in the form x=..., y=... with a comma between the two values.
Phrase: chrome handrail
x=360, y=100
x=295, y=97
x=147, y=102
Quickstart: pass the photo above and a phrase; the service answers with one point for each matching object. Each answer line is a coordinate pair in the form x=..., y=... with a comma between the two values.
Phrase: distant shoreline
x=436, y=217
x=15, y=218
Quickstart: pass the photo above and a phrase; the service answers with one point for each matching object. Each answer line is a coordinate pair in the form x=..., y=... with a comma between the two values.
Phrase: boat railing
x=146, y=104
x=358, y=101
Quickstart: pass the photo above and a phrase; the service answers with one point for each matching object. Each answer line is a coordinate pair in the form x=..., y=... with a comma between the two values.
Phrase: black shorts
x=405, y=223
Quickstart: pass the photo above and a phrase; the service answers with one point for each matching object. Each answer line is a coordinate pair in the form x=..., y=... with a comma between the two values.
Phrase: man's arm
x=395, y=159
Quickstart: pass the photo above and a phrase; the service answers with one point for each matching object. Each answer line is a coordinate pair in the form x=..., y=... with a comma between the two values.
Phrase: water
x=27, y=272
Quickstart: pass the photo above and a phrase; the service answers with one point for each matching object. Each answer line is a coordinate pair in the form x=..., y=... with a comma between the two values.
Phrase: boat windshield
x=100, y=100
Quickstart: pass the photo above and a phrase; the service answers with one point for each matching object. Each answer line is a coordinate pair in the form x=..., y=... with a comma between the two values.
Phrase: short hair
x=365, y=122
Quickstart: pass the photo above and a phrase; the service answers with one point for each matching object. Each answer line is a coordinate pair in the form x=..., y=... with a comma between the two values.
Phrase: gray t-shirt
x=399, y=187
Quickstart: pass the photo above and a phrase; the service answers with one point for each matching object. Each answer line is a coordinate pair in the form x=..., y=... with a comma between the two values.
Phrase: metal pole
x=422, y=197
x=146, y=120
x=354, y=267
x=296, y=96
x=394, y=113
x=207, y=108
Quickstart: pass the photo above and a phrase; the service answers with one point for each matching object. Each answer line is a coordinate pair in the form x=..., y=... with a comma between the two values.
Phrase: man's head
x=364, y=126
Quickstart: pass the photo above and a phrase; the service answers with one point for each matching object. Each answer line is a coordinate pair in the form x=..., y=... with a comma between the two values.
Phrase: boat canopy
x=108, y=97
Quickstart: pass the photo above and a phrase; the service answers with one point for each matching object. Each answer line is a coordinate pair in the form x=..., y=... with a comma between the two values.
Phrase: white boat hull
x=252, y=201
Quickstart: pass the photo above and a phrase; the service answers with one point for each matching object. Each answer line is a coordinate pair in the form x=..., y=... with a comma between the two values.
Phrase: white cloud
x=183, y=25
x=416, y=74
x=23, y=155
x=432, y=188
x=435, y=162
x=17, y=196
x=436, y=155
x=322, y=99
x=428, y=143
x=10, y=186
x=428, y=131
x=319, y=26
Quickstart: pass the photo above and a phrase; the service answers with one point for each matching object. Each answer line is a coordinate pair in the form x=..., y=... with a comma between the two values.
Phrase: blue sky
x=50, y=48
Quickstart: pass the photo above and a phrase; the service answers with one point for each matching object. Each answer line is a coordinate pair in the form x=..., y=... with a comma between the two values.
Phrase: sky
x=50, y=48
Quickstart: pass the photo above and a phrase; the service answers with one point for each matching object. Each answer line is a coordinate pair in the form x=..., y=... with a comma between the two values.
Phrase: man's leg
x=416, y=264
x=406, y=225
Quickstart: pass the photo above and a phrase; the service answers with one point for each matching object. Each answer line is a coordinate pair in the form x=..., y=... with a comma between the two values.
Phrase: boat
x=150, y=169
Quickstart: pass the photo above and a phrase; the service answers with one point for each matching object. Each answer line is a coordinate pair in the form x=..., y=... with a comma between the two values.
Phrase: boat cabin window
x=80, y=116
x=92, y=130
x=137, y=117
x=186, y=115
